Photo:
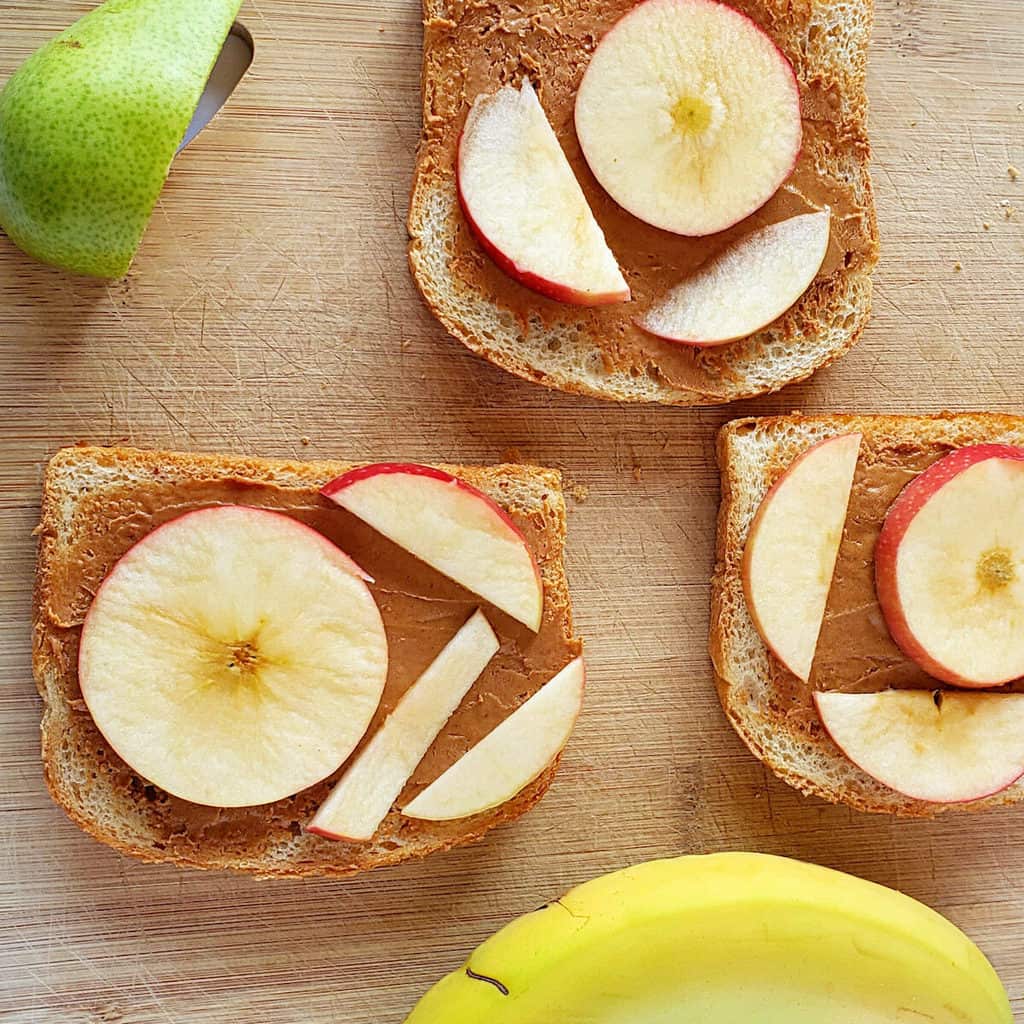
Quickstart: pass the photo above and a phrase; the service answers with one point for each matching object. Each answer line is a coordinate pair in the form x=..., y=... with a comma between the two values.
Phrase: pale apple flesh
x=792, y=546
x=509, y=757
x=451, y=527
x=233, y=657
x=526, y=207
x=943, y=747
x=949, y=567
x=689, y=115
x=746, y=286
x=373, y=781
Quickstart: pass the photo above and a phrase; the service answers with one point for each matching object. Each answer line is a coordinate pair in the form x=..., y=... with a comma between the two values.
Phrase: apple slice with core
x=233, y=657
x=525, y=205
x=452, y=527
x=941, y=747
x=949, y=567
x=372, y=782
x=509, y=757
x=689, y=115
x=746, y=286
x=792, y=547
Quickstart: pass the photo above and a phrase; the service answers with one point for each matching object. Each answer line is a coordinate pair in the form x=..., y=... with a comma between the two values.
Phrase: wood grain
x=271, y=304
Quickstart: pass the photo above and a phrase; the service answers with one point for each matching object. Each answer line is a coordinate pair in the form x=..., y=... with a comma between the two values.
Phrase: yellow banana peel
x=732, y=938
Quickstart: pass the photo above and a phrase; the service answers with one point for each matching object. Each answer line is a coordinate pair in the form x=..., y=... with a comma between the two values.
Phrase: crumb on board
x=305, y=440
x=985, y=224
x=958, y=265
x=1013, y=172
x=512, y=455
x=638, y=473
x=579, y=492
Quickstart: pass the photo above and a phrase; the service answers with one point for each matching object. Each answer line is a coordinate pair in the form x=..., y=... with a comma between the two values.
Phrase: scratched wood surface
x=270, y=312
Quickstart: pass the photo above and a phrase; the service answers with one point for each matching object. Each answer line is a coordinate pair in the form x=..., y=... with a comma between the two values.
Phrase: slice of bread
x=774, y=715
x=471, y=49
x=99, y=501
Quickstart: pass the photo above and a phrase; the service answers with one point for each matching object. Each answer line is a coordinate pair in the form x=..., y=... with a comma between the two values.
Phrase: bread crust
x=751, y=452
x=569, y=355
x=115, y=813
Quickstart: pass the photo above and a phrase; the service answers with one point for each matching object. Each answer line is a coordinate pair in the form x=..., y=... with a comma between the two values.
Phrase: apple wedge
x=372, y=782
x=792, y=547
x=452, y=527
x=746, y=286
x=233, y=657
x=949, y=567
x=689, y=115
x=509, y=757
x=526, y=207
x=941, y=747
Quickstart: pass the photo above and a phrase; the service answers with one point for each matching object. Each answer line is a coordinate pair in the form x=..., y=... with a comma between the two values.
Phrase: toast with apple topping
x=101, y=504
x=505, y=311
x=869, y=688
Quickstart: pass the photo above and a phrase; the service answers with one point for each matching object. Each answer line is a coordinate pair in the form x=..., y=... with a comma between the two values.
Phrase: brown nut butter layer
x=421, y=609
x=856, y=653
x=552, y=48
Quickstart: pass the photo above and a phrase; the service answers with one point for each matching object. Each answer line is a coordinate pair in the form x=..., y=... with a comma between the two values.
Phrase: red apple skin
x=324, y=834
x=981, y=796
x=541, y=285
x=416, y=469
x=898, y=519
x=688, y=342
x=799, y=108
x=754, y=526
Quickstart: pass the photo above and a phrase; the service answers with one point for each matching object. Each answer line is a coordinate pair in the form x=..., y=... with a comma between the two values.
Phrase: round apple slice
x=746, y=286
x=509, y=757
x=949, y=567
x=525, y=205
x=689, y=115
x=792, y=547
x=233, y=657
x=452, y=527
x=940, y=747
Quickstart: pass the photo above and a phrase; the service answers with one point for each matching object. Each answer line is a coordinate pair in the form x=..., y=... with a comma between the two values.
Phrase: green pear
x=90, y=123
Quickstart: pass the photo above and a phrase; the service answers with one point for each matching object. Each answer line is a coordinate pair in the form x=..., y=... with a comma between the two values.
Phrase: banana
x=730, y=938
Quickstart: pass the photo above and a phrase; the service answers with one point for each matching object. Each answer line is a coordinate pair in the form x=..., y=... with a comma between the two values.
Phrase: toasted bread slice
x=97, y=502
x=471, y=49
x=771, y=711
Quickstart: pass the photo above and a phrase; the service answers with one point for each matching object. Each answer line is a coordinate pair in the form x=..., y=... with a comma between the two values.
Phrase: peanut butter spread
x=485, y=45
x=855, y=652
x=421, y=610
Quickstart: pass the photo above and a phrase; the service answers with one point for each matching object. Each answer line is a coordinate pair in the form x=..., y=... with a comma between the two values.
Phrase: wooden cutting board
x=270, y=311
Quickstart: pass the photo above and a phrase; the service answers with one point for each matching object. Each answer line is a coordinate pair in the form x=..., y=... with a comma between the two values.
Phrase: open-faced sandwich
x=867, y=623
x=299, y=668
x=660, y=201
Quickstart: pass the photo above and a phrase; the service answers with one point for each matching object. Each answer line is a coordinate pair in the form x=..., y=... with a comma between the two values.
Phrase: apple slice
x=689, y=115
x=372, y=782
x=746, y=286
x=233, y=657
x=452, y=527
x=509, y=757
x=792, y=547
x=525, y=205
x=949, y=567
x=941, y=747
